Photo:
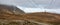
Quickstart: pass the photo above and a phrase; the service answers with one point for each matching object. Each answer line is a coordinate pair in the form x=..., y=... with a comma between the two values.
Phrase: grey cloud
x=33, y=3
x=9, y=2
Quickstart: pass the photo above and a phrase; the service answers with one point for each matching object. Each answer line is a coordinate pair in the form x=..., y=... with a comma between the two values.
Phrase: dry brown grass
x=39, y=17
x=45, y=17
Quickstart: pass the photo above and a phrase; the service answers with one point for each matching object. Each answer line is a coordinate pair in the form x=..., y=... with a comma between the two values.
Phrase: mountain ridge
x=11, y=9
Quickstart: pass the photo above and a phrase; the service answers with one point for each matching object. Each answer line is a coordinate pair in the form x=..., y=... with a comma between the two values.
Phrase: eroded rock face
x=10, y=9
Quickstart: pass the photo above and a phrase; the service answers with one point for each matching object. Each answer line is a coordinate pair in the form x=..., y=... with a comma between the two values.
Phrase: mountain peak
x=10, y=9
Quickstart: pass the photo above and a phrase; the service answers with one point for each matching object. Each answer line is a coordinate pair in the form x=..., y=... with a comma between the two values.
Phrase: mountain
x=7, y=14
x=10, y=9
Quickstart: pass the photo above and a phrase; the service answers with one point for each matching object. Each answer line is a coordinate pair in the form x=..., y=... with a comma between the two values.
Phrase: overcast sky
x=33, y=3
x=37, y=5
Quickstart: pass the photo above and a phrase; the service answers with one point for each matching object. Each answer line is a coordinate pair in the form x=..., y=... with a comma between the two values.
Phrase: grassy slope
x=44, y=17
x=39, y=17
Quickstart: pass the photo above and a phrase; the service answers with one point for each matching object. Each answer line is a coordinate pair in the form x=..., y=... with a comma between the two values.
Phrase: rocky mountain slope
x=10, y=9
